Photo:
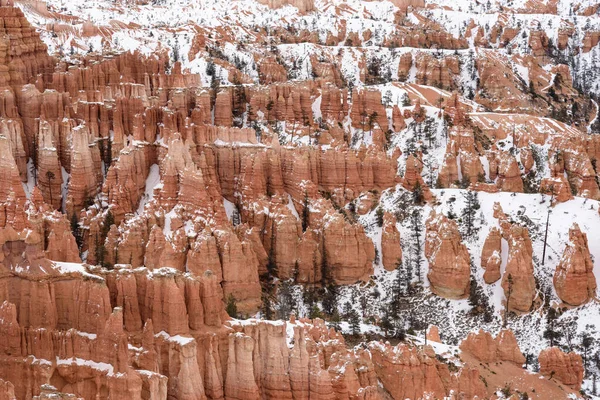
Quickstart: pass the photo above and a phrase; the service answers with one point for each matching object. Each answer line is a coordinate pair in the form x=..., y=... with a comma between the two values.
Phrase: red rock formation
x=118, y=133
x=574, y=278
x=507, y=347
x=433, y=334
x=302, y=5
x=449, y=271
x=481, y=345
x=82, y=184
x=486, y=349
x=518, y=281
x=565, y=367
x=491, y=256
x=348, y=251
x=558, y=187
x=7, y=391
x=367, y=109
x=460, y=150
x=391, y=252
x=422, y=370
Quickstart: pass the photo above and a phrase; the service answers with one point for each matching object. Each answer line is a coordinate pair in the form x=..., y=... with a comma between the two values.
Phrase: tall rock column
x=518, y=281
x=491, y=258
x=49, y=172
x=565, y=367
x=82, y=184
x=574, y=278
x=449, y=262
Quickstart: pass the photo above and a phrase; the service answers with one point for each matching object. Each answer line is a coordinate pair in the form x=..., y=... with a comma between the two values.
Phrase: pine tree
x=315, y=312
x=267, y=310
x=479, y=301
x=176, y=51
x=508, y=295
x=287, y=303
x=417, y=231
x=386, y=321
x=587, y=341
x=363, y=301
x=430, y=131
x=417, y=194
x=109, y=220
x=336, y=320
x=272, y=271
x=100, y=251
x=387, y=98
x=308, y=296
x=231, y=307
x=406, y=100
x=347, y=310
x=354, y=322
x=76, y=231
x=50, y=176
x=330, y=299
x=469, y=215
x=305, y=213
x=379, y=217
x=552, y=332
x=269, y=107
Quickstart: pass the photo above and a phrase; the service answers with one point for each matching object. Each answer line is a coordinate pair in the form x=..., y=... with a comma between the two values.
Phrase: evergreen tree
x=50, y=176
x=305, y=213
x=347, y=310
x=308, y=296
x=315, y=312
x=336, y=320
x=231, y=307
x=417, y=194
x=76, y=231
x=269, y=107
x=430, y=131
x=272, y=271
x=108, y=154
x=417, y=231
x=386, y=321
x=406, y=100
x=587, y=341
x=364, y=303
x=508, y=295
x=287, y=303
x=267, y=308
x=552, y=333
x=387, y=98
x=379, y=217
x=354, y=322
x=109, y=220
x=100, y=251
x=176, y=51
x=479, y=301
x=469, y=215
x=330, y=299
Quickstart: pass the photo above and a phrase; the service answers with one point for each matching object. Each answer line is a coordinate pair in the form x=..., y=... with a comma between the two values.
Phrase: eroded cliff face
x=136, y=333
x=140, y=200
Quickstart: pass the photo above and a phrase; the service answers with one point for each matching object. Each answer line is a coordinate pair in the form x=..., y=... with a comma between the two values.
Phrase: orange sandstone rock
x=565, y=367
x=574, y=278
x=449, y=271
